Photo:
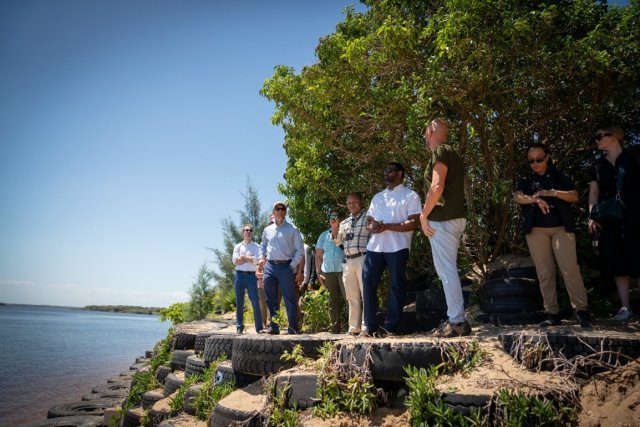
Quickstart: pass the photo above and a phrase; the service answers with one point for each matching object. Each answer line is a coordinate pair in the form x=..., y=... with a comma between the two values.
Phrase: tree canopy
x=504, y=74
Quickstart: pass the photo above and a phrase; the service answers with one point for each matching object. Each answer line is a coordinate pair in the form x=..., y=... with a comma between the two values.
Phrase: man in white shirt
x=393, y=215
x=245, y=257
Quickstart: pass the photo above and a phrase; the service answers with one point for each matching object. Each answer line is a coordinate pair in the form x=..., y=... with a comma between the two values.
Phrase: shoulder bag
x=611, y=209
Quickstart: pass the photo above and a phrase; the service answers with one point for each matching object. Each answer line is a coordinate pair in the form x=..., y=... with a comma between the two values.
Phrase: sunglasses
x=602, y=135
x=532, y=161
x=248, y=231
x=280, y=209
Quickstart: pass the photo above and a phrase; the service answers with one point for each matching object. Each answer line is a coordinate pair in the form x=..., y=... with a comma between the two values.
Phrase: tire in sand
x=388, y=360
x=217, y=345
x=183, y=341
x=73, y=421
x=179, y=358
x=133, y=417
x=260, y=355
x=240, y=406
x=83, y=407
x=116, y=394
x=226, y=374
x=173, y=382
x=194, y=366
x=105, y=388
x=201, y=338
x=162, y=372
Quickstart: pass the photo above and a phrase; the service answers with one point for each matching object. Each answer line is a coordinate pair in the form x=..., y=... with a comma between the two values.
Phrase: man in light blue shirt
x=281, y=251
x=245, y=256
x=329, y=259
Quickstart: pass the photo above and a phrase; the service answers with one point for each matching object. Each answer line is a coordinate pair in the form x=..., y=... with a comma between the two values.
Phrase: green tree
x=200, y=303
x=224, y=293
x=504, y=73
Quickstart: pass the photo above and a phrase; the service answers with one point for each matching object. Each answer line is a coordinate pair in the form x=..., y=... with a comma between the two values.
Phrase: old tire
x=515, y=272
x=194, y=366
x=173, y=382
x=133, y=417
x=183, y=341
x=261, y=355
x=514, y=304
x=150, y=397
x=226, y=374
x=240, y=406
x=179, y=358
x=83, y=407
x=216, y=345
x=162, y=372
x=73, y=421
x=109, y=387
x=190, y=398
x=388, y=360
x=510, y=287
x=201, y=338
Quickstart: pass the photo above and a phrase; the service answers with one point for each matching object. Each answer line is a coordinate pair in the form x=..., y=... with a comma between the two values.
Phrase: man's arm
x=433, y=195
x=236, y=258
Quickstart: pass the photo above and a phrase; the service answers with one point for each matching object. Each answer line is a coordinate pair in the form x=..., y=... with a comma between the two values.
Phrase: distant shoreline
x=128, y=309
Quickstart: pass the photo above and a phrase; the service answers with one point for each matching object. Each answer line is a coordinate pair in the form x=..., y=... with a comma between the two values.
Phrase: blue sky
x=128, y=130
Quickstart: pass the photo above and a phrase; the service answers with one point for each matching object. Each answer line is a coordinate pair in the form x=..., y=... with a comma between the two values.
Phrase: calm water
x=51, y=355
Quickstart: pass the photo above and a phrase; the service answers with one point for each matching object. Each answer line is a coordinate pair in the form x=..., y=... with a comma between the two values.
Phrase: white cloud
x=15, y=283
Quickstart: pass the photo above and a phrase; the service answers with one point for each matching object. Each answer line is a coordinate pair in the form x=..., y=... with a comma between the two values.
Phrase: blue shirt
x=332, y=256
x=281, y=243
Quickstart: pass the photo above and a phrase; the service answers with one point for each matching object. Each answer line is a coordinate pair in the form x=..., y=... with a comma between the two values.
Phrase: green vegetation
x=144, y=381
x=515, y=408
x=131, y=309
x=177, y=313
x=504, y=74
x=176, y=403
x=211, y=393
x=279, y=413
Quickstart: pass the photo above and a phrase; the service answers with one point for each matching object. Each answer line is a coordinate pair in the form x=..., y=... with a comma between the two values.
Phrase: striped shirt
x=353, y=234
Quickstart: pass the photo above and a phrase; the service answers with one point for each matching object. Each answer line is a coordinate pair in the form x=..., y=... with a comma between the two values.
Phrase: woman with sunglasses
x=546, y=195
x=619, y=244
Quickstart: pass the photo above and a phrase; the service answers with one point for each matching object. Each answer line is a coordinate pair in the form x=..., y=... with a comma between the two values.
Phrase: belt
x=245, y=272
x=284, y=261
x=359, y=254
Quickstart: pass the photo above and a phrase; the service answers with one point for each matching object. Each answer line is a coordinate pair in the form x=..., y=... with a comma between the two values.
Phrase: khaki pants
x=352, y=278
x=544, y=244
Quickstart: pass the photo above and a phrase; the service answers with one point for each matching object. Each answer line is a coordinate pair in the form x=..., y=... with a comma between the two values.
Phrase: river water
x=53, y=355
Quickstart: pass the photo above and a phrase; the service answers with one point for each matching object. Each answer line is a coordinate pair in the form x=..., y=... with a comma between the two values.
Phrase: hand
x=544, y=206
x=426, y=229
x=320, y=277
x=299, y=278
x=334, y=223
x=593, y=226
x=377, y=227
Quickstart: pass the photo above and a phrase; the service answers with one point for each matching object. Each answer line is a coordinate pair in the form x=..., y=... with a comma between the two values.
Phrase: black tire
x=226, y=374
x=216, y=345
x=510, y=287
x=514, y=272
x=83, y=407
x=260, y=355
x=179, y=358
x=415, y=321
x=510, y=319
x=116, y=394
x=511, y=305
x=150, y=397
x=432, y=300
x=162, y=372
x=121, y=378
x=190, y=398
x=388, y=360
x=172, y=383
x=201, y=338
x=228, y=410
x=183, y=341
x=106, y=388
x=133, y=417
x=194, y=366
x=74, y=421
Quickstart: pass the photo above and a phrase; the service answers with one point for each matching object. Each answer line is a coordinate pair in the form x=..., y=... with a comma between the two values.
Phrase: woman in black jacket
x=546, y=195
x=619, y=245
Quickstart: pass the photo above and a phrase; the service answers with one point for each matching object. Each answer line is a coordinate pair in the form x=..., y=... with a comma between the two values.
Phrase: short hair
x=539, y=145
x=398, y=166
x=247, y=225
x=616, y=131
x=357, y=195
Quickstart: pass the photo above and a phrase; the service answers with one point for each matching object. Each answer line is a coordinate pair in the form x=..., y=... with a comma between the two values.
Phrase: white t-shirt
x=393, y=207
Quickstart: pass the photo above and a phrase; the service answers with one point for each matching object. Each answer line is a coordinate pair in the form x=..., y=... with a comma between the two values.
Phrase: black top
x=606, y=175
x=560, y=211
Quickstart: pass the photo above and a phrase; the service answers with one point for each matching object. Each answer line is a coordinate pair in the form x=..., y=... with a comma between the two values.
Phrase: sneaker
x=551, y=320
x=623, y=315
x=380, y=333
x=584, y=318
x=270, y=331
x=450, y=330
x=354, y=333
x=240, y=330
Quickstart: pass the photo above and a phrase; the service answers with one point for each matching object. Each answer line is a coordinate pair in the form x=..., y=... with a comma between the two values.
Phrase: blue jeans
x=374, y=265
x=247, y=281
x=281, y=276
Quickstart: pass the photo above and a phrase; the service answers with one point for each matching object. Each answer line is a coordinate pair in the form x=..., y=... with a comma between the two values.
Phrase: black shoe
x=451, y=330
x=270, y=331
x=551, y=320
x=380, y=333
x=584, y=318
x=240, y=330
